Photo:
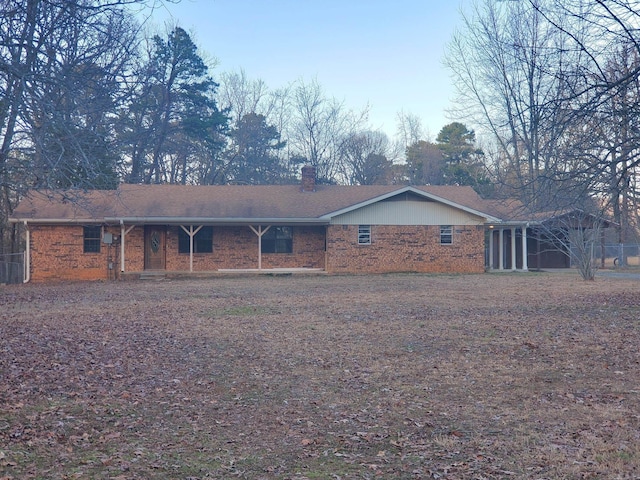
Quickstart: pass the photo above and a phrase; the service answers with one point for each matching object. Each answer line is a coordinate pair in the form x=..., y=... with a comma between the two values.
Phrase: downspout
x=122, y=246
x=27, y=255
x=123, y=233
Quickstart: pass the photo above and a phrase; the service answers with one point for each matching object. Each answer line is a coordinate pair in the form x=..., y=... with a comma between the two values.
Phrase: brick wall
x=57, y=254
x=133, y=249
x=57, y=251
x=233, y=247
x=405, y=249
x=237, y=247
x=308, y=250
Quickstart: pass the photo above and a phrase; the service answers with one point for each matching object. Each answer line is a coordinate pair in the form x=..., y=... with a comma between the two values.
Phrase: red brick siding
x=405, y=249
x=237, y=247
x=57, y=253
x=133, y=249
x=233, y=247
x=308, y=250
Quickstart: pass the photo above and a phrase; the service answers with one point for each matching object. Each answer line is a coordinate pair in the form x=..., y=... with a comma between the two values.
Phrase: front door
x=154, y=247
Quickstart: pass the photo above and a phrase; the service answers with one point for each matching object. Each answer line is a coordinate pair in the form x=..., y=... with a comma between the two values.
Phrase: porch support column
x=123, y=234
x=501, y=249
x=490, y=248
x=192, y=233
x=513, y=248
x=259, y=232
x=525, y=253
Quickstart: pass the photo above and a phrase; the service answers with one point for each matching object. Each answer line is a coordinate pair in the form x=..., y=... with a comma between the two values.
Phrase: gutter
x=216, y=221
x=176, y=220
x=513, y=223
x=56, y=221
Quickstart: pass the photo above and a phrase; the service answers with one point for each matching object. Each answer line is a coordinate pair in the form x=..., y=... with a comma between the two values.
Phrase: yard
x=532, y=376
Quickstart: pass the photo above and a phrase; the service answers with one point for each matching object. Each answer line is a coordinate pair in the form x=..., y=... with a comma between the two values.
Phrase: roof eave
x=512, y=223
x=55, y=221
x=218, y=221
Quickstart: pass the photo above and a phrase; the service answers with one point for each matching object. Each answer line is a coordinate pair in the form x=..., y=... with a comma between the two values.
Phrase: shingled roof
x=226, y=203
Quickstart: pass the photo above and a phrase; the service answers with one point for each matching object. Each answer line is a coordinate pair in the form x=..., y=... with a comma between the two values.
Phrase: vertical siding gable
x=407, y=210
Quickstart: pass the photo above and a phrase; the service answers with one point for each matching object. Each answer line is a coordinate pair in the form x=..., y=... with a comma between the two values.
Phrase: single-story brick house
x=95, y=235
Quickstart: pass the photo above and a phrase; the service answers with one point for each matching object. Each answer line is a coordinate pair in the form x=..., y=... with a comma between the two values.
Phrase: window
x=92, y=239
x=364, y=234
x=278, y=240
x=446, y=234
x=202, y=240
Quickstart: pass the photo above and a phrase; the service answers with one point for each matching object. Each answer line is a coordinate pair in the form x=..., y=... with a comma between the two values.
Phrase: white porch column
x=525, y=253
x=490, y=248
x=259, y=232
x=123, y=234
x=513, y=248
x=191, y=232
x=501, y=249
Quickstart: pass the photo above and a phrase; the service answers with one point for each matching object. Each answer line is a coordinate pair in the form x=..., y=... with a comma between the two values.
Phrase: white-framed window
x=364, y=234
x=446, y=234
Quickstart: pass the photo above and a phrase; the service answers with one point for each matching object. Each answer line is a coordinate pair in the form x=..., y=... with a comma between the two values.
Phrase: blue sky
x=386, y=54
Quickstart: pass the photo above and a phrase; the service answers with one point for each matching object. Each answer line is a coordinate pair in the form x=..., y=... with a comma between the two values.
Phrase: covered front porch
x=521, y=247
x=507, y=247
x=176, y=247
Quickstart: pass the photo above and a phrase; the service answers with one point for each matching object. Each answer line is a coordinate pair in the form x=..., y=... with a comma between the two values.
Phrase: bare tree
x=511, y=70
x=61, y=68
x=241, y=96
x=364, y=159
x=409, y=131
x=577, y=234
x=555, y=84
x=425, y=164
x=319, y=127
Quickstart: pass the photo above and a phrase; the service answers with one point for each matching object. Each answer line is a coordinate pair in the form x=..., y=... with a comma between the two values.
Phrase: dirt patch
x=393, y=376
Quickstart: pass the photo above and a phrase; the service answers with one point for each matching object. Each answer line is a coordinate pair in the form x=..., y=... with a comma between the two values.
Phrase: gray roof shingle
x=222, y=202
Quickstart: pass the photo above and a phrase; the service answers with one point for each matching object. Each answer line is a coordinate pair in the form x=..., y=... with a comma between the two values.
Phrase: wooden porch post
x=259, y=232
x=501, y=249
x=192, y=233
x=123, y=234
x=513, y=248
x=525, y=253
x=490, y=248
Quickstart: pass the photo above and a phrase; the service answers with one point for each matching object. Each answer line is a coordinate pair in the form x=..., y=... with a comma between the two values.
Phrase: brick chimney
x=308, y=178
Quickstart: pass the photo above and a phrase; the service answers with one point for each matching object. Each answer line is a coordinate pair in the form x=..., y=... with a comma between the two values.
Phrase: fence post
x=621, y=255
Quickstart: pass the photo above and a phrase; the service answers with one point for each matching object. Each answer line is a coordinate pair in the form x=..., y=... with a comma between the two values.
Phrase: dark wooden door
x=154, y=247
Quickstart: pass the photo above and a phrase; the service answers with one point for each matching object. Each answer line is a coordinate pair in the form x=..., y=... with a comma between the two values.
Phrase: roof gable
x=423, y=193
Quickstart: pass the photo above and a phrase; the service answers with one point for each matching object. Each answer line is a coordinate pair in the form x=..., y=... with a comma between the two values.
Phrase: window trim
x=364, y=234
x=90, y=242
x=446, y=234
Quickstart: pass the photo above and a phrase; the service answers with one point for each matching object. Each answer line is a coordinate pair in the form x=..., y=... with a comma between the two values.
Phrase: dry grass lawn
x=523, y=376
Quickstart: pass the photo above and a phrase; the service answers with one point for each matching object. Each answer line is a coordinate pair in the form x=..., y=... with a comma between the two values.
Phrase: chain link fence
x=11, y=268
x=618, y=254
